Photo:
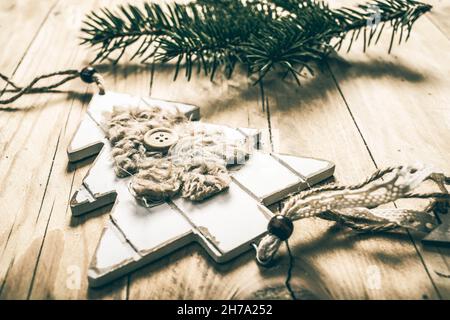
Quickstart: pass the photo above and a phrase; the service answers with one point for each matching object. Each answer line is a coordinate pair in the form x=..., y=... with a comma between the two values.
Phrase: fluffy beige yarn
x=126, y=129
x=196, y=166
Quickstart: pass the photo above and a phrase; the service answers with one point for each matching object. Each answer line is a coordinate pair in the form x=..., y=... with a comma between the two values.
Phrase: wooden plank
x=329, y=261
x=401, y=105
x=42, y=187
x=20, y=21
x=20, y=39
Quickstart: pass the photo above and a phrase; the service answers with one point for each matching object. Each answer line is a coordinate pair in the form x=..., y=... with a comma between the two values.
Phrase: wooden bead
x=281, y=227
x=87, y=74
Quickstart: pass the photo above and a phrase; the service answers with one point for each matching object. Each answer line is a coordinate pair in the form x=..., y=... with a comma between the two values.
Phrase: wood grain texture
x=20, y=21
x=401, y=107
x=39, y=220
x=10, y=59
x=14, y=14
x=314, y=120
x=365, y=111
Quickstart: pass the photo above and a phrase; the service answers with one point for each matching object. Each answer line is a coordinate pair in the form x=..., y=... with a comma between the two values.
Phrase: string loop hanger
x=87, y=75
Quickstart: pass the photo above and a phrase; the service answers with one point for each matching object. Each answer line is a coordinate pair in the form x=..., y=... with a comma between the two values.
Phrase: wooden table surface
x=362, y=111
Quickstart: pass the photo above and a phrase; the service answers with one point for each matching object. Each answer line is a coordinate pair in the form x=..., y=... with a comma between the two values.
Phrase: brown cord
x=98, y=79
x=31, y=89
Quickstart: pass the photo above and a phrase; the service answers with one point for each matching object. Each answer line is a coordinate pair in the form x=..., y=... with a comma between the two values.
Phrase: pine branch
x=370, y=19
x=210, y=35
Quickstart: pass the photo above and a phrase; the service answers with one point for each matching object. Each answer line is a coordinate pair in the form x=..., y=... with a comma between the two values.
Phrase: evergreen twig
x=209, y=34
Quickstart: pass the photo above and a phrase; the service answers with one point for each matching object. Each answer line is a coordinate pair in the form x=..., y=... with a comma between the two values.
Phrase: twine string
x=18, y=91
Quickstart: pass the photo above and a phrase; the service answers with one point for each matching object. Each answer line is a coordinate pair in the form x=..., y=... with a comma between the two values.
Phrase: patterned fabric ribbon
x=356, y=206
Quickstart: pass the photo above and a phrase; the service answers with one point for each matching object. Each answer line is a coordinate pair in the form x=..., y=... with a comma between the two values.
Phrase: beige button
x=159, y=139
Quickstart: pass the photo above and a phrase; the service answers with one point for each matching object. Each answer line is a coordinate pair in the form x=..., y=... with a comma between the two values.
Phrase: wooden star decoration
x=225, y=225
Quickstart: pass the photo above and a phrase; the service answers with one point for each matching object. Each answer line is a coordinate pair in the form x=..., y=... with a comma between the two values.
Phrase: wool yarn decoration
x=195, y=165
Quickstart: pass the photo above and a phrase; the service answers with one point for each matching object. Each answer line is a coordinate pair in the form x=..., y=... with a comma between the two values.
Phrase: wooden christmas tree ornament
x=225, y=224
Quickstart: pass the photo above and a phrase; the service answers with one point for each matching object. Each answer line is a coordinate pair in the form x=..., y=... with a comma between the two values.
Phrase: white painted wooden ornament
x=225, y=225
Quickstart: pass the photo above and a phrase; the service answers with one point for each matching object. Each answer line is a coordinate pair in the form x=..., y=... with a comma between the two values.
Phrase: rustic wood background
x=361, y=111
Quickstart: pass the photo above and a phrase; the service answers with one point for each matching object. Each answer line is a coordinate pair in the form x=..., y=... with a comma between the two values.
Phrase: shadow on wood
x=312, y=86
